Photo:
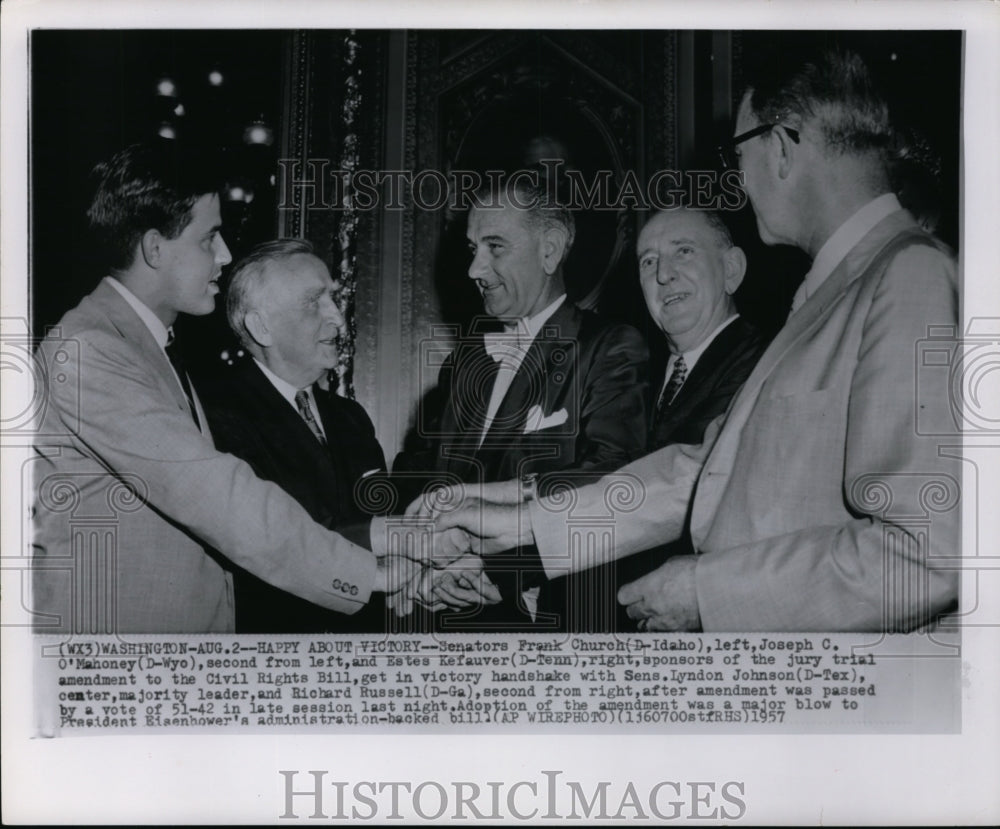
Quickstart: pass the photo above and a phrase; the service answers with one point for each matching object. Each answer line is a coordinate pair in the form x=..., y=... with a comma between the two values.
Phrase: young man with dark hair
x=129, y=487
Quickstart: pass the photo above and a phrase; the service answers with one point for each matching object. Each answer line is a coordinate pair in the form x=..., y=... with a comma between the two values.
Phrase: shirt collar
x=285, y=389
x=846, y=237
x=691, y=356
x=527, y=328
x=159, y=331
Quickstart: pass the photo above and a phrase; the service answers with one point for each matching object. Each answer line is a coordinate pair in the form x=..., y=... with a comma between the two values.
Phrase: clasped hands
x=466, y=522
x=434, y=551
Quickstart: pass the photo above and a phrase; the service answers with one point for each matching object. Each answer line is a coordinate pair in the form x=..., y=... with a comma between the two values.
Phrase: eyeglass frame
x=760, y=129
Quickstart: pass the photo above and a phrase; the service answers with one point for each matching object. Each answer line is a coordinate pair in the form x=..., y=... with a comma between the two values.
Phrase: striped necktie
x=302, y=401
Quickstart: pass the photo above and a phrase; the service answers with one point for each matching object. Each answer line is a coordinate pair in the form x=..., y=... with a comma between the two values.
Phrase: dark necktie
x=677, y=377
x=173, y=354
x=302, y=401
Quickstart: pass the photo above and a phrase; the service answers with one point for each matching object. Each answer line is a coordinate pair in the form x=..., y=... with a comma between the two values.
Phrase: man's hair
x=836, y=90
x=146, y=187
x=246, y=280
x=713, y=218
x=537, y=194
x=718, y=226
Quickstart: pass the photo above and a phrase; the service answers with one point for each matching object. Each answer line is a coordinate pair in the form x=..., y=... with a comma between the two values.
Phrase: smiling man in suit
x=556, y=393
x=133, y=501
x=810, y=500
x=689, y=270
x=269, y=410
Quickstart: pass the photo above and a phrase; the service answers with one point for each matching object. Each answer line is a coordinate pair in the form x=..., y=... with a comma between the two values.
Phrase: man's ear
x=787, y=150
x=553, y=246
x=256, y=325
x=151, y=247
x=736, y=267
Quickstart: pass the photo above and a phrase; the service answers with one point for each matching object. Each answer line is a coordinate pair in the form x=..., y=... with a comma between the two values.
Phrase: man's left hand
x=665, y=599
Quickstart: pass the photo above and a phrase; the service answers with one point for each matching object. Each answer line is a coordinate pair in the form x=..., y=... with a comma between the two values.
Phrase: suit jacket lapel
x=345, y=448
x=125, y=320
x=723, y=455
x=694, y=388
x=546, y=367
x=289, y=434
x=469, y=399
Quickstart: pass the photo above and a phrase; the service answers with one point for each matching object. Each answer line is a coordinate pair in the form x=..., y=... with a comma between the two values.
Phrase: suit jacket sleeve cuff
x=352, y=586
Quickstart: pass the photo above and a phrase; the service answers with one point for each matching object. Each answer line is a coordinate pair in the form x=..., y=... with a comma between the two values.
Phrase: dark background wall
x=417, y=100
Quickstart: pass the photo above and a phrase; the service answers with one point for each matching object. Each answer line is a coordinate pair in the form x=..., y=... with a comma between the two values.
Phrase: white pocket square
x=537, y=421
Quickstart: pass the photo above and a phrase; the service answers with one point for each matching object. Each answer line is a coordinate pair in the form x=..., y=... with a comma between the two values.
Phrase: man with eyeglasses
x=815, y=503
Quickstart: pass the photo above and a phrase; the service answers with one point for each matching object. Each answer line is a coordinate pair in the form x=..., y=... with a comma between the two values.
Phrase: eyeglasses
x=727, y=151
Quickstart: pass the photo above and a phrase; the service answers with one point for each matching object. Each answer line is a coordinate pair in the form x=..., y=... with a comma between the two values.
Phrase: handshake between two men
x=435, y=554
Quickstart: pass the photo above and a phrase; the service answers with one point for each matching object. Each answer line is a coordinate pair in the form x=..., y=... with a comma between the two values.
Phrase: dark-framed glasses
x=727, y=151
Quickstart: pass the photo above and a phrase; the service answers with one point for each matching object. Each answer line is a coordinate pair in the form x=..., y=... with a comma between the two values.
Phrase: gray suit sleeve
x=127, y=424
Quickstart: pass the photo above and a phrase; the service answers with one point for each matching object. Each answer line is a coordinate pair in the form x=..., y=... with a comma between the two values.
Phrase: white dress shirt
x=513, y=346
x=516, y=340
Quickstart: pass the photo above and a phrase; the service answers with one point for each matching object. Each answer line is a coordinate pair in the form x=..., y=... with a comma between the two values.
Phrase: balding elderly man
x=268, y=410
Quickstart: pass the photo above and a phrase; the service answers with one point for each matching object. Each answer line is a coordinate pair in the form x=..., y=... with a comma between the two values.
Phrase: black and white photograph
x=575, y=414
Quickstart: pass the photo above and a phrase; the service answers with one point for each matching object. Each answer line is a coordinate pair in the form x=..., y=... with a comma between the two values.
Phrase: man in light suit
x=130, y=491
x=269, y=409
x=820, y=505
x=557, y=393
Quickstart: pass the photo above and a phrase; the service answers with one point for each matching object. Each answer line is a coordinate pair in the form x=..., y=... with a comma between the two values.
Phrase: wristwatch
x=529, y=487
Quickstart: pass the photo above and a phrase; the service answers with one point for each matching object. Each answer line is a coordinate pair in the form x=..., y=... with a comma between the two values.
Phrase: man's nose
x=478, y=265
x=222, y=254
x=331, y=311
x=665, y=273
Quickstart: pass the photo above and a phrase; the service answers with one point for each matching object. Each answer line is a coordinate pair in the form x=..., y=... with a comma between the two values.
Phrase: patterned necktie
x=302, y=401
x=677, y=378
x=178, y=363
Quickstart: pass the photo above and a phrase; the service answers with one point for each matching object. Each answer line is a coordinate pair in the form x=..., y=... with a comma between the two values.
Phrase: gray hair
x=246, y=281
x=837, y=90
x=713, y=218
x=531, y=191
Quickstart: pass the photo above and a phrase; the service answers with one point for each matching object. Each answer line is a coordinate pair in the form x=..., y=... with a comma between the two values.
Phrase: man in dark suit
x=556, y=393
x=269, y=410
x=689, y=269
